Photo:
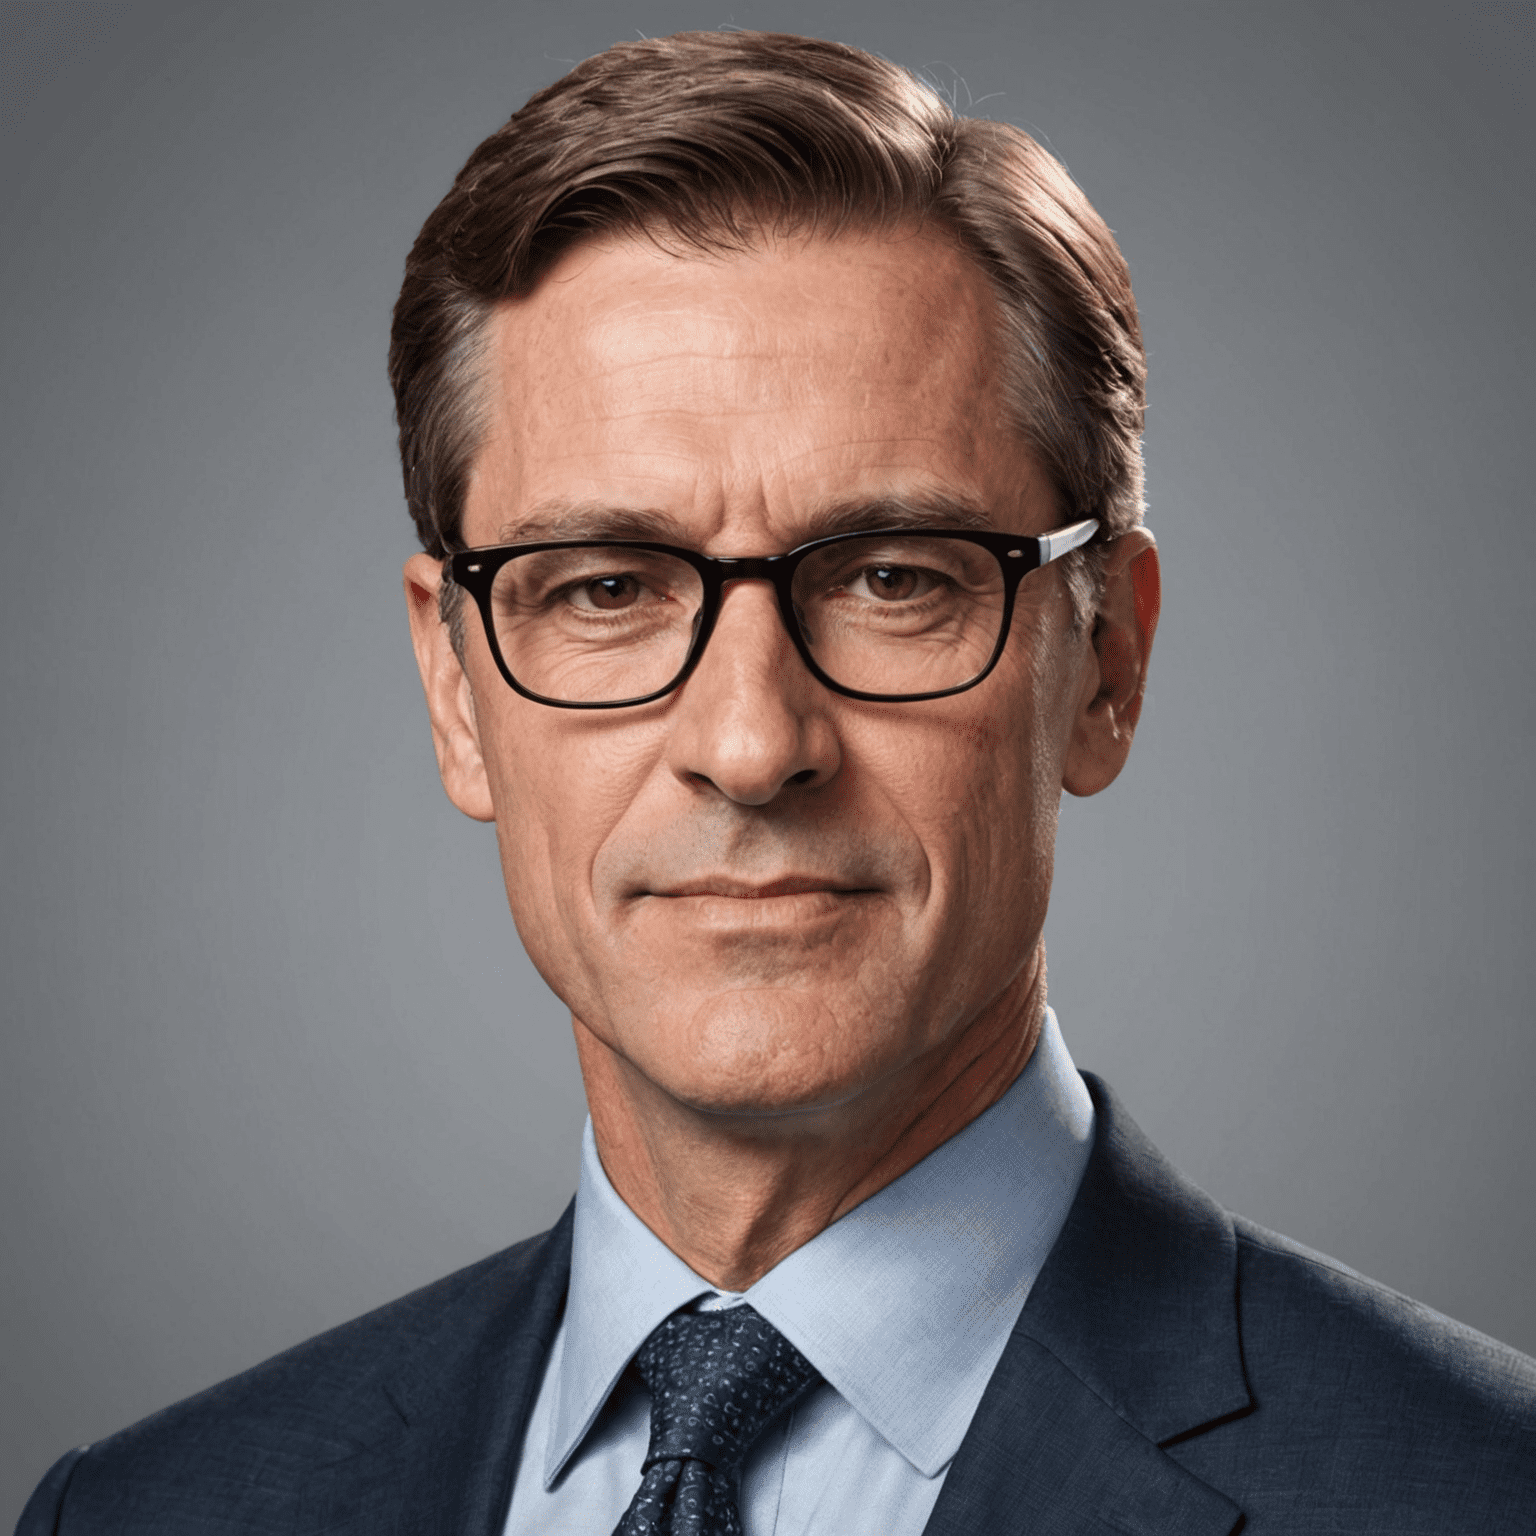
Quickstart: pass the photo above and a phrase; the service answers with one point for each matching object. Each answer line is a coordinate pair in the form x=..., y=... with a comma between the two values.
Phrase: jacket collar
x=440, y=1430
x=1128, y=1343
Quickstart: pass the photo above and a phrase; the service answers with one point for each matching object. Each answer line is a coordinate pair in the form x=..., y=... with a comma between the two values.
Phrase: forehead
x=739, y=396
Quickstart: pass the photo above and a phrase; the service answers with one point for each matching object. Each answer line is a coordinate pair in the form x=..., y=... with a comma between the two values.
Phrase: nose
x=751, y=721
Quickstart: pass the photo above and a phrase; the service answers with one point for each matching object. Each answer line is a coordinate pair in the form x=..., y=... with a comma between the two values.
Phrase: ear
x=1116, y=674
x=450, y=703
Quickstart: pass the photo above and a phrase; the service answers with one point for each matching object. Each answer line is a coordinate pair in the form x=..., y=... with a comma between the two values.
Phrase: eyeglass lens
x=892, y=614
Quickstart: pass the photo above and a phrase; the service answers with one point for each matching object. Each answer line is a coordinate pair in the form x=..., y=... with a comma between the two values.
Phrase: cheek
x=1009, y=814
x=977, y=794
x=560, y=783
x=981, y=786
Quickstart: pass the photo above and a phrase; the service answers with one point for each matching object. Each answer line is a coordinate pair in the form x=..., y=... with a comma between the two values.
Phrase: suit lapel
x=1129, y=1341
x=1047, y=1457
x=440, y=1438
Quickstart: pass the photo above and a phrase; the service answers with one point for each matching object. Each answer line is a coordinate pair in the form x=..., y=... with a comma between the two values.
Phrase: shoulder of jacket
x=1297, y=1304
x=256, y=1433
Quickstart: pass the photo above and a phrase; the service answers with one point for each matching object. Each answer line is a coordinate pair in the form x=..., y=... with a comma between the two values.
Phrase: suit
x=1175, y=1372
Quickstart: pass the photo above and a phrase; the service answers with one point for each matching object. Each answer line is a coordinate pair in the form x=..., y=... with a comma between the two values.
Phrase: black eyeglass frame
x=1017, y=555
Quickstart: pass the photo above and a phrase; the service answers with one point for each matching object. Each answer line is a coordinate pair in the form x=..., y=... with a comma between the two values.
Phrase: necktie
x=716, y=1380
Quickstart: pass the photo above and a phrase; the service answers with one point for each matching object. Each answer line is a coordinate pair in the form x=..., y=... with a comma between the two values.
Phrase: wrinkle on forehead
x=710, y=334
x=770, y=396
x=624, y=305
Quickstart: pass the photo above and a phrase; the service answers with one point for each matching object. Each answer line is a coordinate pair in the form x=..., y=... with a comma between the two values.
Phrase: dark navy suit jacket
x=1175, y=1372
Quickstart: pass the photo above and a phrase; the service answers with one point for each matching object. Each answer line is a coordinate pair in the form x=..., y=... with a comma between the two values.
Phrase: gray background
x=272, y=1054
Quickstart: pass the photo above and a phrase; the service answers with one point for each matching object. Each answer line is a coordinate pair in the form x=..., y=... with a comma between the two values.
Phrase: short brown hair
x=712, y=137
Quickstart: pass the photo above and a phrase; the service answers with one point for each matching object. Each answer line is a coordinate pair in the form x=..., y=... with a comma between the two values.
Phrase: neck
x=733, y=1195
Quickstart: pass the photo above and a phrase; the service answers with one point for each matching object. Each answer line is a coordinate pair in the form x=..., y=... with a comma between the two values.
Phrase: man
x=773, y=437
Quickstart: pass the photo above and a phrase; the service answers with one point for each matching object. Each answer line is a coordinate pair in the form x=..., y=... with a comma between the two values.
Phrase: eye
x=608, y=593
x=892, y=583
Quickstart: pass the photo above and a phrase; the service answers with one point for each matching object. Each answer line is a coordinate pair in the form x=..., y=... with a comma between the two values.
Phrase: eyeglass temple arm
x=1061, y=541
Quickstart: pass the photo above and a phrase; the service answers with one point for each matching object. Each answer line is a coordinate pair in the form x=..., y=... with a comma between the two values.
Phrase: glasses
x=892, y=615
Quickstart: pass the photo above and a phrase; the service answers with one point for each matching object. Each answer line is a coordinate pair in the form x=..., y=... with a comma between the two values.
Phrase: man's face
x=760, y=895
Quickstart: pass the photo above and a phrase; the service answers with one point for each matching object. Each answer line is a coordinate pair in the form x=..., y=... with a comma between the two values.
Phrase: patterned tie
x=716, y=1380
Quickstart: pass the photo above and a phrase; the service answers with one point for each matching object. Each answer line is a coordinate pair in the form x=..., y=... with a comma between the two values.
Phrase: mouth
x=734, y=889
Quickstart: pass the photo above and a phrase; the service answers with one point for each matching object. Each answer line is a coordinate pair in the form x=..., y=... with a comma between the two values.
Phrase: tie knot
x=716, y=1380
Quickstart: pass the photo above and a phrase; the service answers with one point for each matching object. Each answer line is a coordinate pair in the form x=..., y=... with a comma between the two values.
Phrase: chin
x=768, y=1052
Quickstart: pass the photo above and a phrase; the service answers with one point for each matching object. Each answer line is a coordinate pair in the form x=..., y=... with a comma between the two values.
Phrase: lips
x=742, y=890
x=758, y=864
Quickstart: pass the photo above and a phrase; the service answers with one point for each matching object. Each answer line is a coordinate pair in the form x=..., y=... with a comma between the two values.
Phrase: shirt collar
x=904, y=1304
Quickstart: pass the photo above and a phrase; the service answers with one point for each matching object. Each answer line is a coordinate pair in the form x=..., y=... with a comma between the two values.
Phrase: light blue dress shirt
x=904, y=1305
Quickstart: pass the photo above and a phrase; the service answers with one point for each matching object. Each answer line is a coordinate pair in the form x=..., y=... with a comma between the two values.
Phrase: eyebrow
x=566, y=520
x=918, y=509
x=592, y=520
